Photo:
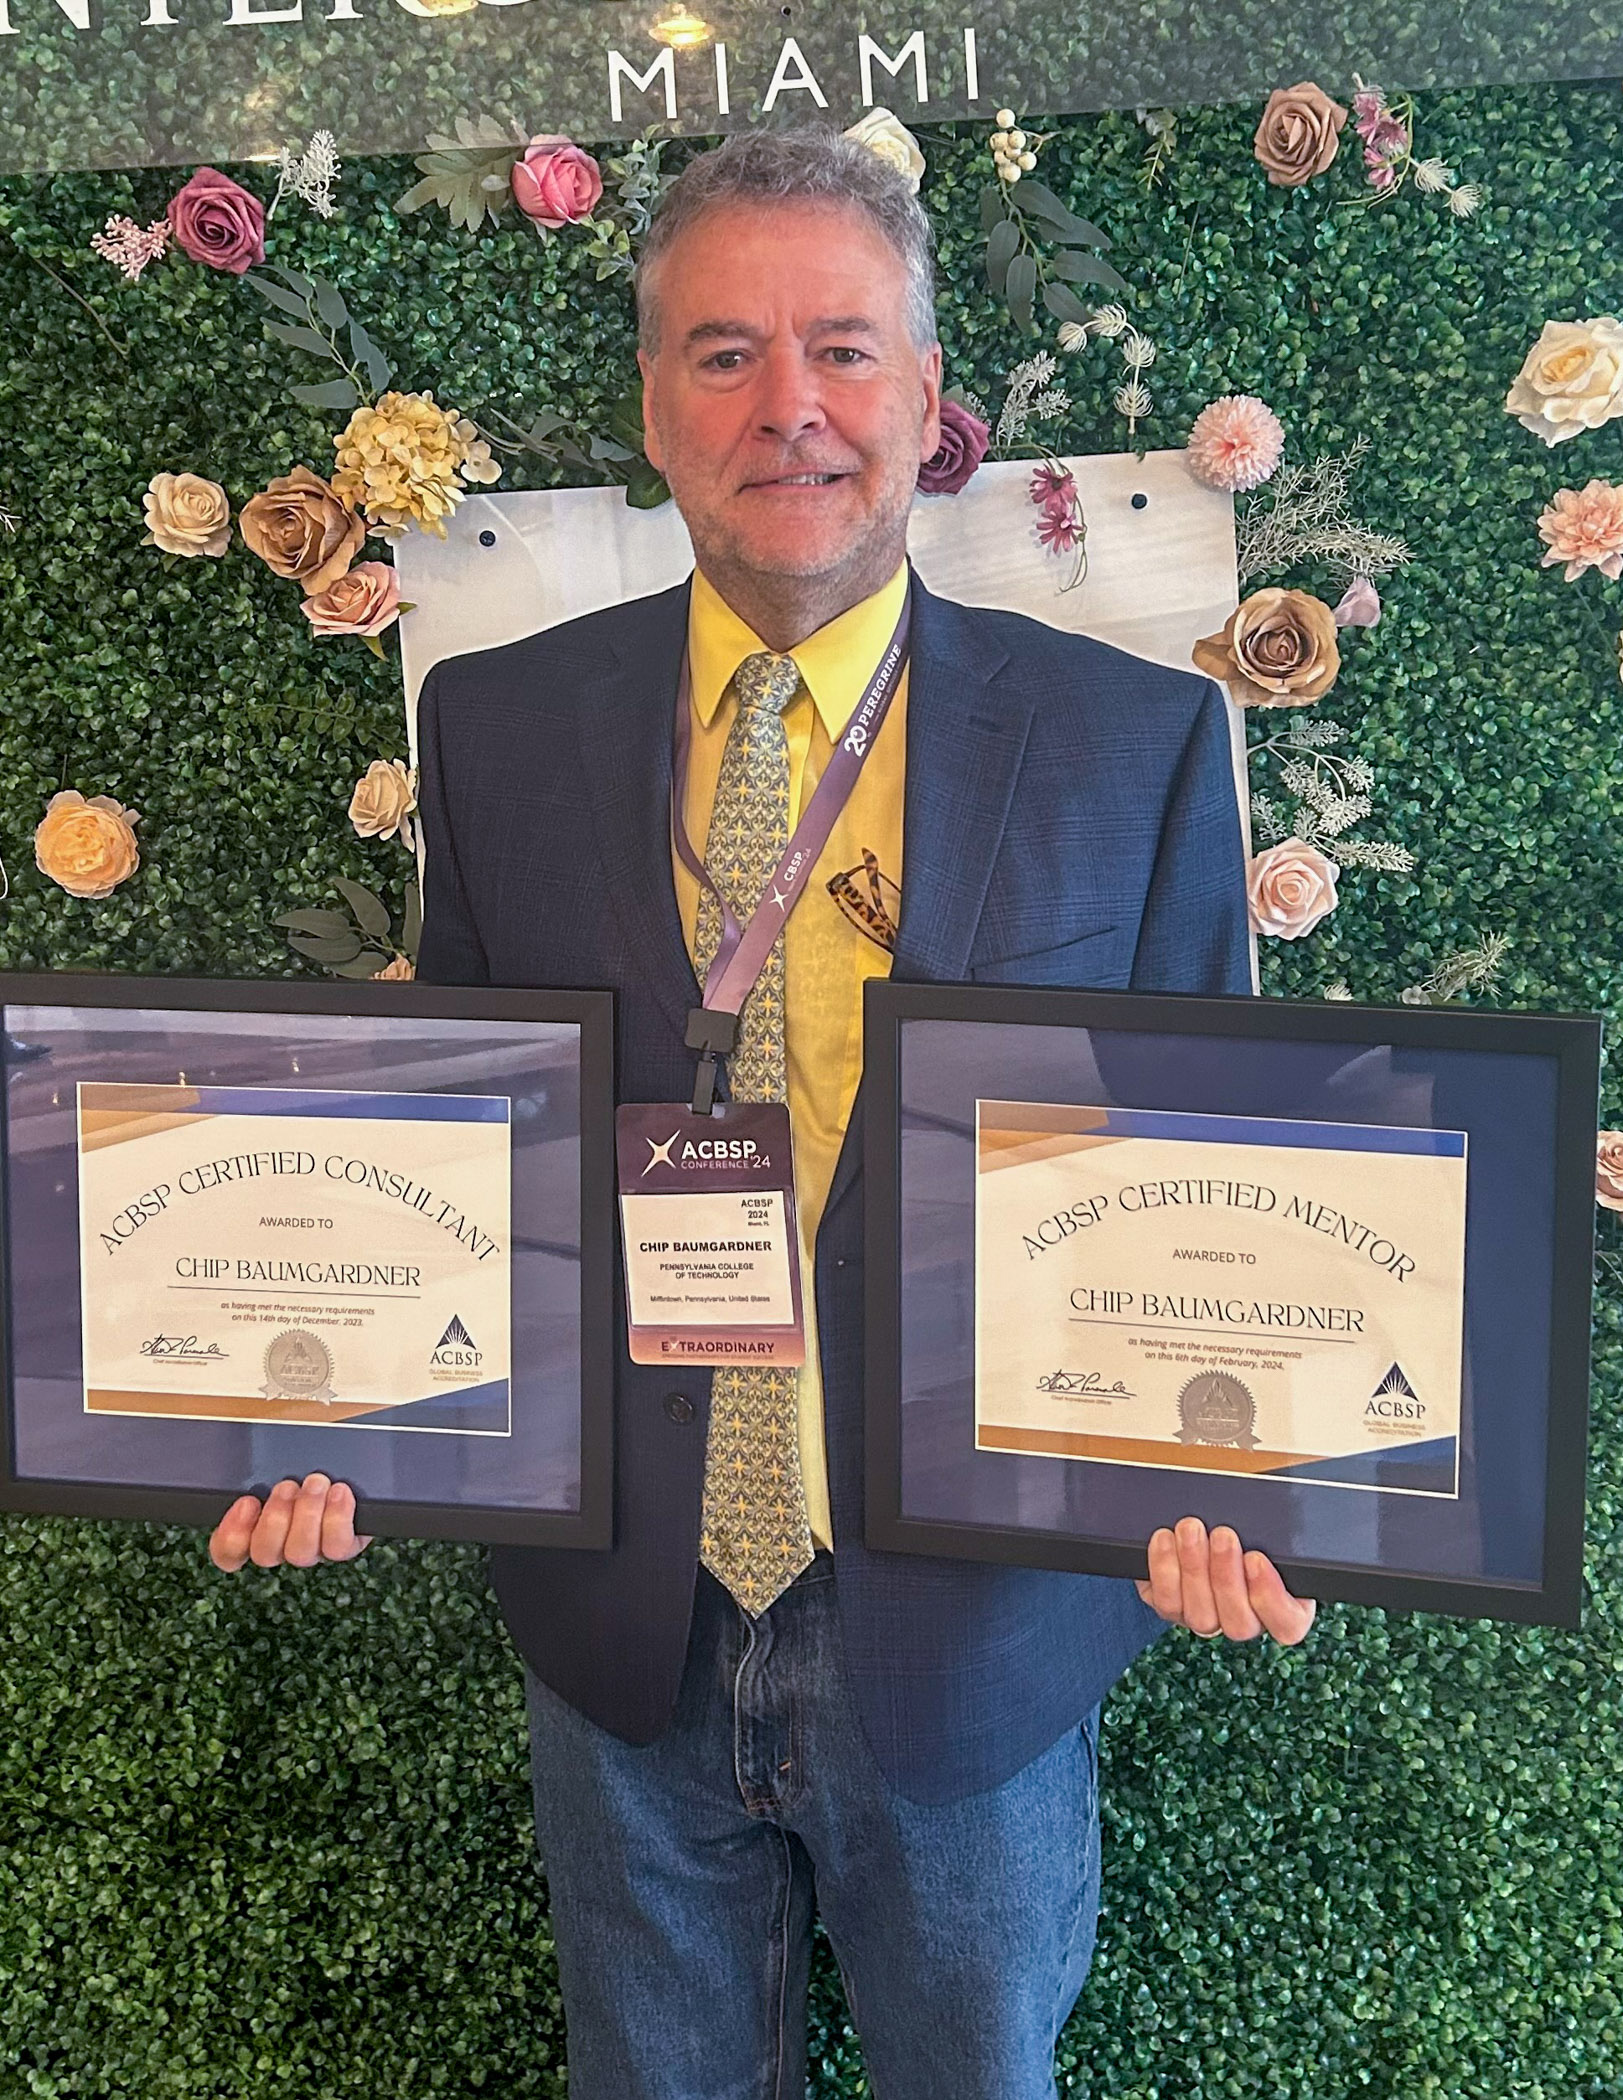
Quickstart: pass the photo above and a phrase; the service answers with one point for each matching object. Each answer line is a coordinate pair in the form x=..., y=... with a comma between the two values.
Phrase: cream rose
x=186, y=515
x=300, y=528
x=889, y=137
x=1609, y=1168
x=384, y=798
x=88, y=848
x=1572, y=380
x=1277, y=650
x=1290, y=888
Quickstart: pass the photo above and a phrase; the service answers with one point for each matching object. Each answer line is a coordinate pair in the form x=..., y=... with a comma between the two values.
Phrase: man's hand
x=1211, y=1587
x=296, y=1525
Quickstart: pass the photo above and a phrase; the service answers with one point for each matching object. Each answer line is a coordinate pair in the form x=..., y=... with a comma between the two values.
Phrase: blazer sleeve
x=1194, y=935
x=451, y=951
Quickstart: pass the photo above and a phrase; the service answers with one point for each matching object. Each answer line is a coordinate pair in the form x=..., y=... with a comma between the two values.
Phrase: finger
x=1166, y=1584
x=228, y=1542
x=303, y=1547
x=270, y=1533
x=1286, y=1617
x=1229, y=1589
x=338, y=1539
x=1194, y=1568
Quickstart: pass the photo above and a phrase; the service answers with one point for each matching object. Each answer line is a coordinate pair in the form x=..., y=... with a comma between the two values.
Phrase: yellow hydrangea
x=405, y=461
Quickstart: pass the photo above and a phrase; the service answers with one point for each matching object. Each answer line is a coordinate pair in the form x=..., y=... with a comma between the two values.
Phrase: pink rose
x=1290, y=888
x=363, y=601
x=217, y=222
x=964, y=438
x=1609, y=1168
x=556, y=183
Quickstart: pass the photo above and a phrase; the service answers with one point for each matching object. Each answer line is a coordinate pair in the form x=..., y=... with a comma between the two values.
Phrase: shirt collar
x=836, y=662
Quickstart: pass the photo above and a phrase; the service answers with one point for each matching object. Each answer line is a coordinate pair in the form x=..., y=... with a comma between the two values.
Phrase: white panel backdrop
x=1161, y=570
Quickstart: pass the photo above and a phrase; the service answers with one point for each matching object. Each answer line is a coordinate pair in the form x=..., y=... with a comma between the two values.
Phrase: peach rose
x=1299, y=134
x=88, y=848
x=300, y=528
x=1290, y=888
x=1609, y=1168
x=557, y=182
x=186, y=515
x=384, y=798
x=1277, y=650
x=363, y=602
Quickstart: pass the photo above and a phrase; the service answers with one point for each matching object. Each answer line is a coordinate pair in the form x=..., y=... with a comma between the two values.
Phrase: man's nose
x=789, y=404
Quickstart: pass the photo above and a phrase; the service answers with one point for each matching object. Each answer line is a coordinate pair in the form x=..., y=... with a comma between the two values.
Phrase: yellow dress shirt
x=827, y=958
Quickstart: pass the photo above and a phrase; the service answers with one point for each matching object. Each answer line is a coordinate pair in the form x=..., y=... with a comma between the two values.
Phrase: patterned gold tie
x=754, y=1534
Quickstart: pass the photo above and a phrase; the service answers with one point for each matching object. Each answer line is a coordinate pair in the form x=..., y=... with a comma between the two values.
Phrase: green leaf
x=646, y=487
x=323, y=948
x=1021, y=289
x=367, y=964
x=993, y=207
x=379, y=371
x=1058, y=218
x=300, y=338
x=289, y=302
x=421, y=193
x=412, y=933
x=1002, y=244
x=606, y=448
x=1063, y=303
x=371, y=913
x=330, y=302
x=304, y=286
x=329, y=924
x=332, y=393
x=625, y=419
x=1086, y=269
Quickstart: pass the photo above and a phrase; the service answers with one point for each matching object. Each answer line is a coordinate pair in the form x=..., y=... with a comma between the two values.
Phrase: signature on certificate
x=1082, y=1385
x=184, y=1346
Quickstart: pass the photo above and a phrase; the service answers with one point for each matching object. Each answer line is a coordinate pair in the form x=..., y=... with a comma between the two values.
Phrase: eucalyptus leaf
x=300, y=338
x=295, y=281
x=1063, y=303
x=1086, y=269
x=1002, y=244
x=330, y=303
x=313, y=919
x=992, y=207
x=379, y=371
x=323, y=948
x=1058, y=218
x=289, y=302
x=1020, y=289
x=371, y=913
x=367, y=964
x=332, y=393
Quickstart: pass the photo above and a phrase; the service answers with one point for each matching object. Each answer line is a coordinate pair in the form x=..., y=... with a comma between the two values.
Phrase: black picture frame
x=590, y=1522
x=1572, y=1042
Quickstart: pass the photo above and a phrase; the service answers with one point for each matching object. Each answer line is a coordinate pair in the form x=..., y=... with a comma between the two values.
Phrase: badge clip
x=712, y=1032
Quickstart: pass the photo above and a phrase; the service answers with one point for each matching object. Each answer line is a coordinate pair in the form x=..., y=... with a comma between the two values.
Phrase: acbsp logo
x=704, y=1151
x=455, y=1350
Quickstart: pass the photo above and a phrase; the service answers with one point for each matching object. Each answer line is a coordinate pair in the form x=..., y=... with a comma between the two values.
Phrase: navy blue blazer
x=1069, y=819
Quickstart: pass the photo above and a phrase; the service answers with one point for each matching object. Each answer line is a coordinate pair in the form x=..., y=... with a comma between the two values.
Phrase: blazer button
x=679, y=1407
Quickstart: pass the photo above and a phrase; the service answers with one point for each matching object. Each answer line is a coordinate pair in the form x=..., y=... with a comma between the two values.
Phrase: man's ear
x=650, y=434
x=930, y=373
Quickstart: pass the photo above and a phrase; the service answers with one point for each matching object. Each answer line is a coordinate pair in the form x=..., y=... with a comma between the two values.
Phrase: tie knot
x=767, y=681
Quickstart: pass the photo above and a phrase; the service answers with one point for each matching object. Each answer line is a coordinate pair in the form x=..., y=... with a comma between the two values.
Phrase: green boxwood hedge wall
x=268, y=1836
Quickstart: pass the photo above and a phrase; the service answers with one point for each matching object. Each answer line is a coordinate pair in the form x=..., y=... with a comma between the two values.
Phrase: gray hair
x=808, y=165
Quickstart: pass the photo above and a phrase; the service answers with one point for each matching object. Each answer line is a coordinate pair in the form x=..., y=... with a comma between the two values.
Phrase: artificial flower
x=384, y=798
x=301, y=527
x=557, y=182
x=129, y=246
x=1609, y=1168
x=87, y=848
x=890, y=138
x=1290, y=888
x=1277, y=649
x=362, y=602
x=964, y=438
x=1359, y=604
x=404, y=462
x=186, y=515
x=1236, y=442
x=218, y=222
x=1299, y=134
x=1584, y=528
x=1572, y=379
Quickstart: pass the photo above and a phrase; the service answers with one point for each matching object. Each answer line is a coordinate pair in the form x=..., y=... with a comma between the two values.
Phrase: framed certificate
x=252, y=1230
x=1320, y=1272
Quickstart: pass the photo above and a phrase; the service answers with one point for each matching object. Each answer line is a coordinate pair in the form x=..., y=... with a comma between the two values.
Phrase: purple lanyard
x=741, y=956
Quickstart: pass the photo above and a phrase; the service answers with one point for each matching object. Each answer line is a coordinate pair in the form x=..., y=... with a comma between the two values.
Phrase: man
x=739, y=1712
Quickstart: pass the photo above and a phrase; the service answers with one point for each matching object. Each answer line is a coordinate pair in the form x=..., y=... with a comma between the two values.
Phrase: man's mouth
x=796, y=481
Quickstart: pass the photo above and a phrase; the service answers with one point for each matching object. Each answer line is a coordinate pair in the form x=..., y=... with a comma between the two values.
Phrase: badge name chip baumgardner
x=1233, y=1294
x=255, y=1254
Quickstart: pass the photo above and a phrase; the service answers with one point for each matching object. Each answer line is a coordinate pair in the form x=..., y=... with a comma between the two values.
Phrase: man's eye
x=847, y=354
x=716, y=364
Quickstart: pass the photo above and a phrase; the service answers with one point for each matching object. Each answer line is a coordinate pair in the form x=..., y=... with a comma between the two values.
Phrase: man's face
x=787, y=405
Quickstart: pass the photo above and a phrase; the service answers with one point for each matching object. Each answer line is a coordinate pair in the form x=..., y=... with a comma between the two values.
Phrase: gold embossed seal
x=1215, y=1408
x=298, y=1366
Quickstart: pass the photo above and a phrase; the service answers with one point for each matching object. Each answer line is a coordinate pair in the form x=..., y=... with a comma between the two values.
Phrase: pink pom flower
x=1235, y=442
x=557, y=182
x=1584, y=528
x=216, y=221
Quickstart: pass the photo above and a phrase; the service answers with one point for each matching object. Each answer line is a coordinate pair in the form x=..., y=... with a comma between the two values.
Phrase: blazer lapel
x=965, y=740
x=625, y=734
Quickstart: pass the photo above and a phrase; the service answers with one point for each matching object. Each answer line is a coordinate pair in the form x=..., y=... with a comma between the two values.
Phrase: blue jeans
x=684, y=1875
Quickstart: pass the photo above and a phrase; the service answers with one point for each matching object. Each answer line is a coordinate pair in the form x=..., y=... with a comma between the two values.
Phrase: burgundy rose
x=964, y=439
x=556, y=183
x=218, y=222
